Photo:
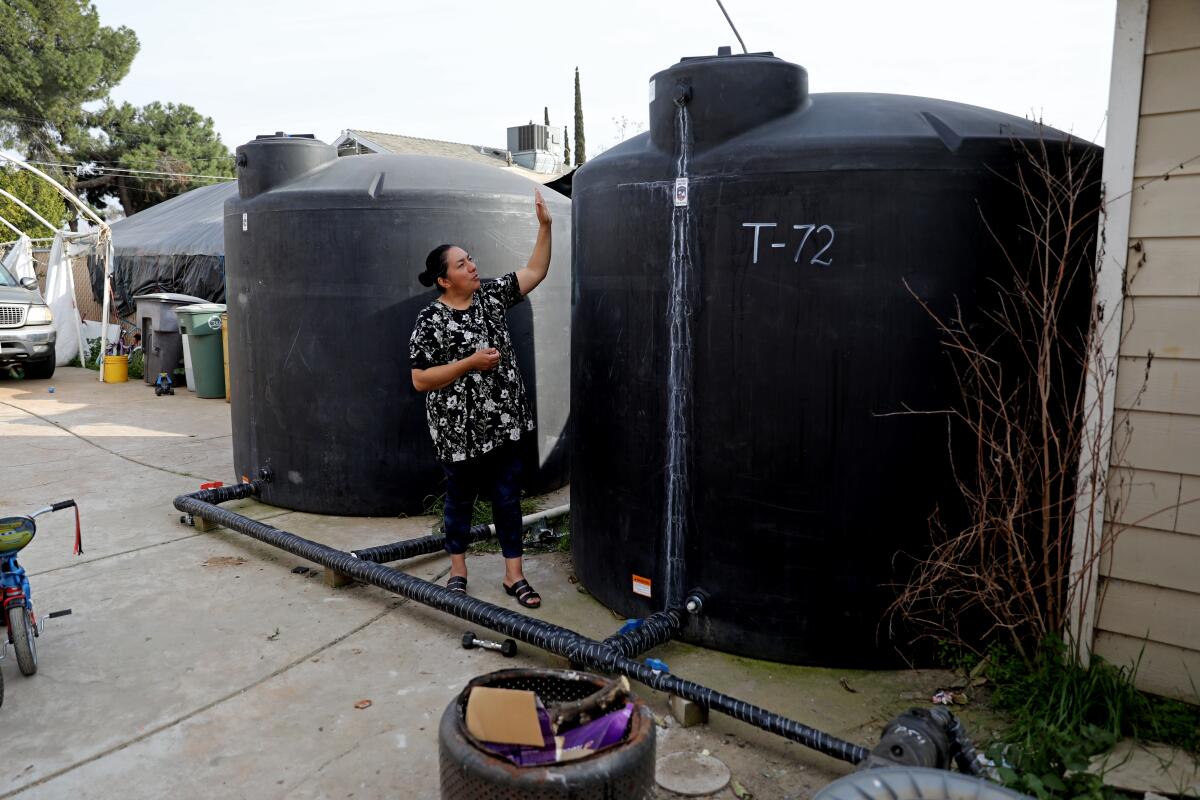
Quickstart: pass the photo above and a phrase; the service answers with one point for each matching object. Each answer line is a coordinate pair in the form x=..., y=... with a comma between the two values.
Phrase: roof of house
x=414, y=145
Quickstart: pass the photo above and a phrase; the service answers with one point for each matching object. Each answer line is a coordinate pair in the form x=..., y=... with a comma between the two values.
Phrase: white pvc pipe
x=12, y=227
x=538, y=516
x=83, y=208
x=30, y=211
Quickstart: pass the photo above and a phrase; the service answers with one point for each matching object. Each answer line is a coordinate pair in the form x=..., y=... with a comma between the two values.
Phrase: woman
x=463, y=357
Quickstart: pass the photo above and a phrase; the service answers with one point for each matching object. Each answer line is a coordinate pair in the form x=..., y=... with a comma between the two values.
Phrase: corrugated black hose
x=421, y=546
x=563, y=642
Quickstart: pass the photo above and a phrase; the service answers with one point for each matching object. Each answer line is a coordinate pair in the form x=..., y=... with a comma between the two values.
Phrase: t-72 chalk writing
x=821, y=242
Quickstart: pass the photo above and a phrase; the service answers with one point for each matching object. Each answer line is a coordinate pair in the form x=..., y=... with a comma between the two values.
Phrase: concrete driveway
x=199, y=665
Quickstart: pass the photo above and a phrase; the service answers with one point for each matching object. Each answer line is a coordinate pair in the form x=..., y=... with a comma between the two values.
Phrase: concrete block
x=336, y=580
x=687, y=713
x=203, y=525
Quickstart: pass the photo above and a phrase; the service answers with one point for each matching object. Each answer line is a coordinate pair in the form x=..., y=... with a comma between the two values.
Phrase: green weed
x=1061, y=715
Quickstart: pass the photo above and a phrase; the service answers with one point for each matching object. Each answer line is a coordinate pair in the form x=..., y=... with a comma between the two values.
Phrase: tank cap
x=282, y=135
x=725, y=51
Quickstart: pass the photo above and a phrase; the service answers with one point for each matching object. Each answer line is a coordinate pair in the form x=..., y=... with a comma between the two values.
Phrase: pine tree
x=580, y=148
x=546, y=111
x=566, y=149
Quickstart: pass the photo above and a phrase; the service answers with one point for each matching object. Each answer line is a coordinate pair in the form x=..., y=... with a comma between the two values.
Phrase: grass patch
x=1060, y=715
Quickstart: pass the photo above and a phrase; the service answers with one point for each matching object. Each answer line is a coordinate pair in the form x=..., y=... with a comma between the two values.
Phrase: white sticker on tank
x=651, y=90
x=681, y=192
x=245, y=222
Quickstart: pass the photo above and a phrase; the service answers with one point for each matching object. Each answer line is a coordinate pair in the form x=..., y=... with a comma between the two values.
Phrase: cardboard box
x=504, y=716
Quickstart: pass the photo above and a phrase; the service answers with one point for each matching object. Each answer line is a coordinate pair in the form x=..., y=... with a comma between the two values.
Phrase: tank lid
x=725, y=51
x=282, y=135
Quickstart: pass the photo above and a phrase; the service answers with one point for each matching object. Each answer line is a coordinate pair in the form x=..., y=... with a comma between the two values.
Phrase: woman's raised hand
x=540, y=207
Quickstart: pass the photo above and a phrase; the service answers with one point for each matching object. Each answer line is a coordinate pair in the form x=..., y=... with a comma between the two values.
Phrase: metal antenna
x=735, y=32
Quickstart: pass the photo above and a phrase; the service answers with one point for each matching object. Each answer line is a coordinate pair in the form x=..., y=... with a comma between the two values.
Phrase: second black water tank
x=322, y=256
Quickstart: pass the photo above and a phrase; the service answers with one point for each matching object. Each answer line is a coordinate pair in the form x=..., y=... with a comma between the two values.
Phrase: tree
x=566, y=148
x=35, y=193
x=627, y=127
x=546, y=112
x=54, y=57
x=171, y=139
x=580, y=148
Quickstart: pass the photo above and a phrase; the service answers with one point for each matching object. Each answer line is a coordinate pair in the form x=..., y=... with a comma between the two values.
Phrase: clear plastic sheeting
x=175, y=246
x=19, y=260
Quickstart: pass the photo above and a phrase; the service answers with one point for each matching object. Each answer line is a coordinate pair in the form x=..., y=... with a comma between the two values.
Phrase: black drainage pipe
x=421, y=546
x=549, y=637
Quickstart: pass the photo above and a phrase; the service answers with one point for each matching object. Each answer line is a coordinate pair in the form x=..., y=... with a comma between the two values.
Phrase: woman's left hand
x=540, y=207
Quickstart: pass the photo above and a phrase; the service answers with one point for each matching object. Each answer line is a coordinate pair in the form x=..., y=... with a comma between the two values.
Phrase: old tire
x=914, y=783
x=622, y=772
x=21, y=630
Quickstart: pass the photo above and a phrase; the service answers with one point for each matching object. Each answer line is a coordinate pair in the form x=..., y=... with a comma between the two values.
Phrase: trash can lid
x=170, y=297
x=203, y=308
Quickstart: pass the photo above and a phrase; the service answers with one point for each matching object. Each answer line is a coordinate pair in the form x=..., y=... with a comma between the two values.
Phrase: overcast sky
x=465, y=70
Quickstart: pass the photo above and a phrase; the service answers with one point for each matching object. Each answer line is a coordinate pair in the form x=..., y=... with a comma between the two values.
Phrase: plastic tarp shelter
x=19, y=260
x=175, y=246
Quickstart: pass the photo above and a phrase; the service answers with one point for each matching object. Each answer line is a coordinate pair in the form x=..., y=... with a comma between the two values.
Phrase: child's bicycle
x=16, y=603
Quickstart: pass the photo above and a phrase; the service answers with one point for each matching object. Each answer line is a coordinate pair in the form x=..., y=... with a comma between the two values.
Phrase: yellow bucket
x=116, y=369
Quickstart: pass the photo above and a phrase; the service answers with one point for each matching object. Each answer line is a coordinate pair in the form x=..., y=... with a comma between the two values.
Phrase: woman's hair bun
x=435, y=265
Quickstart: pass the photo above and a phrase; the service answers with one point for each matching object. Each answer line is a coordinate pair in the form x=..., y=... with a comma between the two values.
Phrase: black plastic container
x=792, y=262
x=322, y=256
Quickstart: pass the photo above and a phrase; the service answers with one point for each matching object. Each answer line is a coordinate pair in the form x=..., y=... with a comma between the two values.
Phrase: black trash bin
x=161, y=340
x=468, y=772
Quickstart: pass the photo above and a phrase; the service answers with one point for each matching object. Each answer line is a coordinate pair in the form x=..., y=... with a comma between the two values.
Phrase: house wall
x=1149, y=587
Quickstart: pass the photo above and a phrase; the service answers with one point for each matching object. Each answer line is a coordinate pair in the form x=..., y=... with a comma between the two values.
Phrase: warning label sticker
x=641, y=585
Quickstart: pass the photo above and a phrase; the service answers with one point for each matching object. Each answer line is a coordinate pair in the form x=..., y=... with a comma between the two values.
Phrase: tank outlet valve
x=695, y=602
x=266, y=474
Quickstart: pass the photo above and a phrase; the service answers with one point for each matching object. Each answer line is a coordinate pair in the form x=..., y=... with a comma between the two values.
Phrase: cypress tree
x=546, y=111
x=566, y=148
x=580, y=147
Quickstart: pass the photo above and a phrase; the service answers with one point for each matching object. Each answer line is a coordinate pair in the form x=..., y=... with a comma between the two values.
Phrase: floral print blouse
x=481, y=410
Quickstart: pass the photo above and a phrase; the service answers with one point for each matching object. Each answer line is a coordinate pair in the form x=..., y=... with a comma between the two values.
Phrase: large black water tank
x=775, y=290
x=322, y=256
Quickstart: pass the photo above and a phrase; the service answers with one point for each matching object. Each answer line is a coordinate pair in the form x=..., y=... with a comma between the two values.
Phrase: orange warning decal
x=641, y=585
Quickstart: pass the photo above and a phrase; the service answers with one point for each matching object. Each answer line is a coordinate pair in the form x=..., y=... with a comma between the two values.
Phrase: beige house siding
x=1149, y=590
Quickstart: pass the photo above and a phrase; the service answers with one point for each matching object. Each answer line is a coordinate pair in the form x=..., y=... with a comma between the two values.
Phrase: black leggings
x=495, y=475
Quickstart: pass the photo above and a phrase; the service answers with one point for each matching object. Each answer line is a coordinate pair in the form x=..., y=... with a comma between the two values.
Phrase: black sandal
x=457, y=583
x=524, y=594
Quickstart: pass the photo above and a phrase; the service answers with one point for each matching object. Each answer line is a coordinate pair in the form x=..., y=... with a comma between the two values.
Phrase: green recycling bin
x=202, y=325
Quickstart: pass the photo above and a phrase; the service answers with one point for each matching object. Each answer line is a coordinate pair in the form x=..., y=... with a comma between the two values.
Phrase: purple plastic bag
x=599, y=734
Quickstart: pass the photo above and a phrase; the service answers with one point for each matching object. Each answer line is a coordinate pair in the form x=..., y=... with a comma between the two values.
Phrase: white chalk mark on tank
x=808, y=229
x=679, y=372
x=758, y=226
x=817, y=258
